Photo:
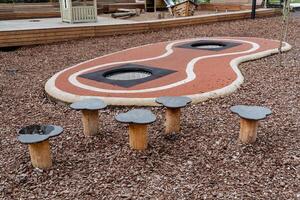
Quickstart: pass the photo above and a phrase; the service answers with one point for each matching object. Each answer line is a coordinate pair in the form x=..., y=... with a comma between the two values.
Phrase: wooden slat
x=90, y=31
x=57, y=30
x=43, y=37
x=224, y=6
x=12, y=16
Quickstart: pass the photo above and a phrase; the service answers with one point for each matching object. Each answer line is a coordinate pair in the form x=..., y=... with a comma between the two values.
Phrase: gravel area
x=204, y=162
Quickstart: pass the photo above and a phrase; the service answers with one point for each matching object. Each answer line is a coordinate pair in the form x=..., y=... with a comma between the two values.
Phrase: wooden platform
x=49, y=35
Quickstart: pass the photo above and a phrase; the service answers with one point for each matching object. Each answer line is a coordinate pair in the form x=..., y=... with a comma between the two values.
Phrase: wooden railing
x=84, y=14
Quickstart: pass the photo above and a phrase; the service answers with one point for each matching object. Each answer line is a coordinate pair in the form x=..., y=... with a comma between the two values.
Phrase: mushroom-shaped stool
x=173, y=105
x=137, y=120
x=36, y=136
x=89, y=108
x=250, y=115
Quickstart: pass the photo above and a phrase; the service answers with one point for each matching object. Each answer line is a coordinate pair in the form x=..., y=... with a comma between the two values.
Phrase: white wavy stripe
x=189, y=70
x=240, y=78
x=66, y=97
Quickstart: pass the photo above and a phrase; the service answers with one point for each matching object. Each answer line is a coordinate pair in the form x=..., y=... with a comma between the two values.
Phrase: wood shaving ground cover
x=204, y=162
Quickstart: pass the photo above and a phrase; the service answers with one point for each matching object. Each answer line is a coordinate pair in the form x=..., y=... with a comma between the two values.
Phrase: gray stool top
x=38, y=133
x=173, y=102
x=136, y=116
x=89, y=104
x=251, y=112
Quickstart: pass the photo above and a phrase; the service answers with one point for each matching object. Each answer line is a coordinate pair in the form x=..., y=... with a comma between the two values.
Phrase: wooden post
x=40, y=155
x=172, y=120
x=138, y=136
x=248, y=130
x=253, y=12
x=70, y=7
x=90, y=122
x=96, y=10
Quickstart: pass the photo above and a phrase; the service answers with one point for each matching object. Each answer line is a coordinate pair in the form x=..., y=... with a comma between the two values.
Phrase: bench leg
x=90, y=122
x=138, y=136
x=172, y=120
x=248, y=131
x=40, y=155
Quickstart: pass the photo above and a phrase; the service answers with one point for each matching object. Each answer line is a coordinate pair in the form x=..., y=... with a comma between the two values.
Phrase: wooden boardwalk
x=28, y=36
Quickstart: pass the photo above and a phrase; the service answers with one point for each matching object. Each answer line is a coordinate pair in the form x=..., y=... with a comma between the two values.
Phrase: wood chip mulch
x=204, y=162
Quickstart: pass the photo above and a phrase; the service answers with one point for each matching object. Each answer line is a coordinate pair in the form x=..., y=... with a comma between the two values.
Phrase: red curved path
x=209, y=74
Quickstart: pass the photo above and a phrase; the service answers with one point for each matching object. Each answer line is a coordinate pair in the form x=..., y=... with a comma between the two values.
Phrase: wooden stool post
x=172, y=120
x=138, y=136
x=248, y=130
x=137, y=120
x=90, y=122
x=40, y=155
x=250, y=116
x=36, y=136
x=90, y=114
x=173, y=105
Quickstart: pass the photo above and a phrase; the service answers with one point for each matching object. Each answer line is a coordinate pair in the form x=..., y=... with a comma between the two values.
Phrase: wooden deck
x=49, y=35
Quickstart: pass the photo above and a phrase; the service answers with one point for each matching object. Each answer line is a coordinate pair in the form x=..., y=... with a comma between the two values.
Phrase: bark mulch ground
x=205, y=162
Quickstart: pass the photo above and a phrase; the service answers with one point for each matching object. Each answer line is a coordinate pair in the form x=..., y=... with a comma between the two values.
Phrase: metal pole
x=253, y=9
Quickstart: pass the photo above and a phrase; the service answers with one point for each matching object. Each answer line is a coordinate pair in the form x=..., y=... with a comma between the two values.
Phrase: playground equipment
x=138, y=132
x=185, y=8
x=139, y=75
x=89, y=108
x=250, y=115
x=181, y=8
x=36, y=136
x=173, y=105
x=79, y=12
